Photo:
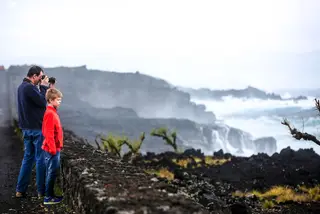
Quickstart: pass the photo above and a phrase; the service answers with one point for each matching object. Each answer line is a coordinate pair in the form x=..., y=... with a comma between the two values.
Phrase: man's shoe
x=52, y=200
x=20, y=194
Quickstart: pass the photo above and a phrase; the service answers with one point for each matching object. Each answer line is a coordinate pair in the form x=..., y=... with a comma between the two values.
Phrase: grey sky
x=216, y=44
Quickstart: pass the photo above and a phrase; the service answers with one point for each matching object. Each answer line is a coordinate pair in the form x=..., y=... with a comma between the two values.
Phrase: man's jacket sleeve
x=36, y=96
x=43, y=89
x=48, y=132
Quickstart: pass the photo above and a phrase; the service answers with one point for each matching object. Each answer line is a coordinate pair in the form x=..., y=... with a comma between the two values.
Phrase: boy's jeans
x=52, y=167
x=32, y=152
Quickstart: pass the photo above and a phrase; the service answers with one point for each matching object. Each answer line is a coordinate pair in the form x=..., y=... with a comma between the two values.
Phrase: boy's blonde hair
x=53, y=93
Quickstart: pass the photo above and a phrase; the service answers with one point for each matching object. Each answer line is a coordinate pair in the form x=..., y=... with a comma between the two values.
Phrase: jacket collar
x=27, y=80
x=52, y=108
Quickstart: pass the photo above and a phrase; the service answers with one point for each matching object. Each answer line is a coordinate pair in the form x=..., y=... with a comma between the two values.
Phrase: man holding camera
x=31, y=107
x=47, y=81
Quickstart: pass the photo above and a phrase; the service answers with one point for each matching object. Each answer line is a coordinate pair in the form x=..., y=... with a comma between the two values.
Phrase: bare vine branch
x=302, y=135
x=299, y=135
x=317, y=101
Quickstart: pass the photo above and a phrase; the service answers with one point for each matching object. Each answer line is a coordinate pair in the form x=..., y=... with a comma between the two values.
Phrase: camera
x=52, y=80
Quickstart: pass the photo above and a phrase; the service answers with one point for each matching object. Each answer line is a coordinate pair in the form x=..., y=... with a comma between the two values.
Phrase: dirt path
x=10, y=160
x=11, y=153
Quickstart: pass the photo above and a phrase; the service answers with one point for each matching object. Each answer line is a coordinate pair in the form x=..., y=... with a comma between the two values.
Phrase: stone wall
x=94, y=182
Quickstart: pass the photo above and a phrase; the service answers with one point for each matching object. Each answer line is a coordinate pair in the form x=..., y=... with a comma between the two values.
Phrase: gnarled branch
x=317, y=101
x=299, y=135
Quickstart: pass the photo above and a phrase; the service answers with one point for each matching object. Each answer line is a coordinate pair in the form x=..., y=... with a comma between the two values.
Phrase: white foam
x=262, y=126
x=286, y=95
x=231, y=105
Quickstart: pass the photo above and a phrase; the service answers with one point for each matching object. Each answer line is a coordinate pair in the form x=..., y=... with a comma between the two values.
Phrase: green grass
x=57, y=190
x=267, y=204
x=209, y=161
x=281, y=194
x=162, y=173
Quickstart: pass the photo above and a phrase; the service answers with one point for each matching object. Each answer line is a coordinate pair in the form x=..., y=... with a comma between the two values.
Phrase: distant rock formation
x=266, y=145
x=98, y=102
x=248, y=93
x=206, y=137
x=149, y=97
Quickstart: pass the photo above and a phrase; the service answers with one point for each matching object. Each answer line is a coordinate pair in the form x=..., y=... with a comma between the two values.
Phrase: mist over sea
x=263, y=118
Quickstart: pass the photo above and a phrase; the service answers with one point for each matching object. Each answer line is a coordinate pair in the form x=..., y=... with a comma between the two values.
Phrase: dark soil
x=11, y=154
x=212, y=186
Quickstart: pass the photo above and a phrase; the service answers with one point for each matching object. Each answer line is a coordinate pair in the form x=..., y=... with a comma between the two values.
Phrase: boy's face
x=56, y=102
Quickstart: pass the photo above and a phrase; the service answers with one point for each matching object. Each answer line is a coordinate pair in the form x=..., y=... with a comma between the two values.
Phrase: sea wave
x=250, y=115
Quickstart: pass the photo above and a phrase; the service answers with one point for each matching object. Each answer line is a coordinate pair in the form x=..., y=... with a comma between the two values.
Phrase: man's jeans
x=32, y=144
x=52, y=169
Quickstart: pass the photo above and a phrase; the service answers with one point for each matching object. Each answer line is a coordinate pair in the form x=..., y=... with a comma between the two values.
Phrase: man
x=31, y=107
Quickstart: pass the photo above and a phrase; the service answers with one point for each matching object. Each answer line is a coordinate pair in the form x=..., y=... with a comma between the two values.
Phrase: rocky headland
x=246, y=93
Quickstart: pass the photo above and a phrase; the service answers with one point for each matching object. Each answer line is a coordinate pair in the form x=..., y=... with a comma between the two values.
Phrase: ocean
x=263, y=118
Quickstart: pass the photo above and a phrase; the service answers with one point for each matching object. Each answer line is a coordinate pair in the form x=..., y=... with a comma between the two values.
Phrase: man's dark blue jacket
x=31, y=105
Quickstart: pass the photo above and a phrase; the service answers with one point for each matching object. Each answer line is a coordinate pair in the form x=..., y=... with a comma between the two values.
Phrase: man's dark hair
x=34, y=70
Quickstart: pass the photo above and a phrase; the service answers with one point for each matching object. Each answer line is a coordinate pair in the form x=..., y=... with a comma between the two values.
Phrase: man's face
x=36, y=79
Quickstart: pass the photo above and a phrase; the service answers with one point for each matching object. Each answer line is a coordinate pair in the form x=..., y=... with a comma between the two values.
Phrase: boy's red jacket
x=52, y=131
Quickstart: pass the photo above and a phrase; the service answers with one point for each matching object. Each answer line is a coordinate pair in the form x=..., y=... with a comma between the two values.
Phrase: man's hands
x=49, y=82
x=45, y=81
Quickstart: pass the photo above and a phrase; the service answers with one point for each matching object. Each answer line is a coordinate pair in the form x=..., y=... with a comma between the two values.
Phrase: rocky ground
x=215, y=181
x=170, y=182
x=11, y=153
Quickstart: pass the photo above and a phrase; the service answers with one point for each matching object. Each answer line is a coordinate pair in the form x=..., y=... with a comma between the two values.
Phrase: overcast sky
x=215, y=44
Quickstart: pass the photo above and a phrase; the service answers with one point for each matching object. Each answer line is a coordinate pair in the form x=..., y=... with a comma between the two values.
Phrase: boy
x=52, y=144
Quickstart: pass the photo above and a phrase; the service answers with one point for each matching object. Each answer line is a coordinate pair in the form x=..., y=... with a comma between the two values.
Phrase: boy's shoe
x=20, y=195
x=52, y=200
